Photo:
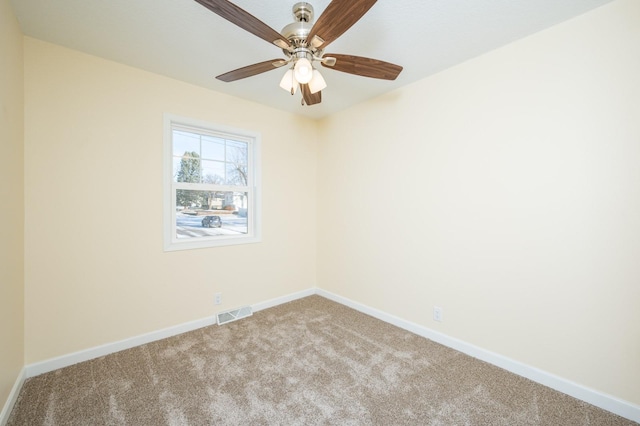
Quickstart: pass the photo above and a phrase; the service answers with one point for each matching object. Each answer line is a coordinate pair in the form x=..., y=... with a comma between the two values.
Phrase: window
x=212, y=191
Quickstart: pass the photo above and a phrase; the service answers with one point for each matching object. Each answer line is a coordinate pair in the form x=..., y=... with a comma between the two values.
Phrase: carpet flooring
x=307, y=362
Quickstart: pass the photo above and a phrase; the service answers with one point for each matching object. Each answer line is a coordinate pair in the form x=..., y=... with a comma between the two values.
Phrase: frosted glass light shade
x=303, y=71
x=288, y=82
x=317, y=82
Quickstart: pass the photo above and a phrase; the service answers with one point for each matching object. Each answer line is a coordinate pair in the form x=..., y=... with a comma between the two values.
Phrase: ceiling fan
x=303, y=44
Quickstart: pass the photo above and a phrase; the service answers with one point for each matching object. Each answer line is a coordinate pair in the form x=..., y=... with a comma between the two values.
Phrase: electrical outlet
x=437, y=314
x=217, y=298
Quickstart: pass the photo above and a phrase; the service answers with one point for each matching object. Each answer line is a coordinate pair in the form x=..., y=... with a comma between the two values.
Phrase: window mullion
x=211, y=187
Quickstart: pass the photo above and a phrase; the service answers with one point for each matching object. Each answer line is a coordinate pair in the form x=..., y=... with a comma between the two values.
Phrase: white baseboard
x=606, y=402
x=284, y=299
x=109, y=348
x=13, y=397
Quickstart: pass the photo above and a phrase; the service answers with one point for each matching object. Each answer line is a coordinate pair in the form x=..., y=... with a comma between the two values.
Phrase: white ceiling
x=183, y=40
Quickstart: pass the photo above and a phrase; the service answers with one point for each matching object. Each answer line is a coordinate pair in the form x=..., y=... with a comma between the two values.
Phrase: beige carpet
x=308, y=362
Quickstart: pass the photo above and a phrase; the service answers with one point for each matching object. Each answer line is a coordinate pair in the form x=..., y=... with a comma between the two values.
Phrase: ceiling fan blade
x=251, y=70
x=246, y=21
x=337, y=18
x=310, y=98
x=365, y=67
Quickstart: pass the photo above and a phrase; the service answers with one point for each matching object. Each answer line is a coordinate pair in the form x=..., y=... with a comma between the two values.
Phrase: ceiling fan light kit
x=303, y=43
x=317, y=83
x=303, y=70
x=289, y=82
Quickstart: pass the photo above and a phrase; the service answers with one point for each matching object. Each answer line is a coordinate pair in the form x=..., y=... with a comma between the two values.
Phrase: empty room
x=324, y=212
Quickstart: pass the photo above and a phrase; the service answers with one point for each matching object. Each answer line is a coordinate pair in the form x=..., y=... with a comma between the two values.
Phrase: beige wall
x=507, y=191
x=95, y=270
x=11, y=194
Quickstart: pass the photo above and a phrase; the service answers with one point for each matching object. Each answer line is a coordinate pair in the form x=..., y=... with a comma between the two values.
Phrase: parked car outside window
x=211, y=222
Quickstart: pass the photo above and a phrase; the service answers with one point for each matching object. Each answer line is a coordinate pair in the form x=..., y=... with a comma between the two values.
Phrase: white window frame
x=253, y=188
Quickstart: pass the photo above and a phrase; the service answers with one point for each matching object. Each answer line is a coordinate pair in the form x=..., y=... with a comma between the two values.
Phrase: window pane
x=187, y=168
x=207, y=159
x=213, y=172
x=211, y=213
x=237, y=152
x=185, y=142
x=212, y=148
x=236, y=174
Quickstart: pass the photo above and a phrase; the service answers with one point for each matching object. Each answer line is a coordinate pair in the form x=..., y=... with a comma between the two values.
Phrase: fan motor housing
x=297, y=31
